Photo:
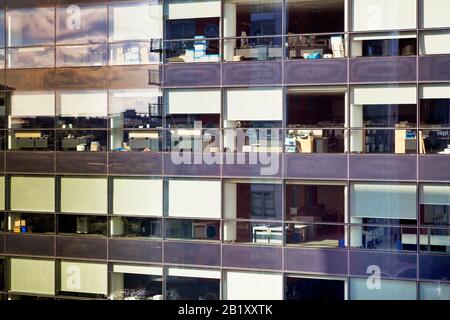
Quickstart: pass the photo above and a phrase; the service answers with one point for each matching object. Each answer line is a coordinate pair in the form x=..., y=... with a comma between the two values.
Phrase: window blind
x=435, y=91
x=253, y=286
x=435, y=13
x=193, y=9
x=371, y=15
x=84, y=195
x=83, y=104
x=376, y=94
x=84, y=277
x=195, y=198
x=388, y=201
x=435, y=42
x=195, y=101
x=33, y=104
x=435, y=194
x=254, y=104
x=194, y=273
x=33, y=194
x=36, y=276
x=128, y=19
x=135, y=269
x=138, y=197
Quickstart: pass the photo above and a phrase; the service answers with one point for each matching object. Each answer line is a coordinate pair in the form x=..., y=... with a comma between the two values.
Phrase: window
x=135, y=21
x=137, y=109
x=392, y=108
x=435, y=214
x=32, y=110
x=31, y=223
x=84, y=195
x=253, y=286
x=82, y=140
x=192, y=284
x=194, y=198
x=32, y=276
x=434, y=291
x=132, y=227
x=82, y=109
x=306, y=288
x=253, y=200
x=315, y=235
x=315, y=201
x=82, y=55
x=2, y=193
x=434, y=42
x=33, y=194
x=2, y=274
x=136, y=282
x=370, y=15
x=252, y=232
x=83, y=278
x=138, y=196
x=188, y=229
x=31, y=57
x=82, y=225
x=305, y=16
x=30, y=27
x=81, y=23
x=435, y=114
x=389, y=290
x=434, y=13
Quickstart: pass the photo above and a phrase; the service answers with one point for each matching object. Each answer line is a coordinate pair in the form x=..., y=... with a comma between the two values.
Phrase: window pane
x=261, y=233
x=82, y=140
x=361, y=289
x=315, y=235
x=33, y=57
x=30, y=26
x=132, y=282
x=30, y=110
x=34, y=276
x=135, y=227
x=188, y=229
x=33, y=194
x=135, y=21
x=81, y=24
x=31, y=223
x=82, y=225
x=253, y=286
x=434, y=291
x=31, y=140
x=79, y=56
x=84, y=195
x=81, y=278
x=384, y=238
x=132, y=53
x=314, y=289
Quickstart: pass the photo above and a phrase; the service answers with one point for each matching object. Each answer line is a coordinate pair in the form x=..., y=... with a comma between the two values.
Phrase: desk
x=260, y=52
x=143, y=140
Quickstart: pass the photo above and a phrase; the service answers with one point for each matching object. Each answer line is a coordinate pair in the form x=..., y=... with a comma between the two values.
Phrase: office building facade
x=225, y=149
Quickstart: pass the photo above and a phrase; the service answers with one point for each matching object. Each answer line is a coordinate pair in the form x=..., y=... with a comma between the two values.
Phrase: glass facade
x=225, y=149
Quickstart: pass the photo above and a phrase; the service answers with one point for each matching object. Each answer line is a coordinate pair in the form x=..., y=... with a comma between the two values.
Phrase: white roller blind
x=137, y=22
x=193, y=9
x=371, y=15
x=84, y=277
x=389, y=201
x=2, y=193
x=253, y=286
x=435, y=13
x=84, y=104
x=36, y=276
x=194, y=273
x=389, y=290
x=195, y=198
x=384, y=36
x=435, y=42
x=435, y=91
x=33, y=194
x=254, y=104
x=138, y=197
x=405, y=94
x=135, y=269
x=435, y=194
x=33, y=104
x=193, y=101
x=84, y=195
